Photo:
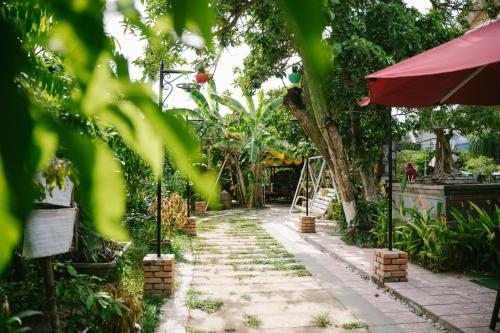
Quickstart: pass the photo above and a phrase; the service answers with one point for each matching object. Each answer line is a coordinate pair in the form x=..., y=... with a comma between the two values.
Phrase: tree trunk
x=257, y=185
x=241, y=180
x=443, y=164
x=329, y=143
x=370, y=189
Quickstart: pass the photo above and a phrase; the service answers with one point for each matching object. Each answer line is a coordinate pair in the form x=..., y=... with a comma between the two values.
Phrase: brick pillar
x=190, y=226
x=307, y=224
x=390, y=266
x=200, y=207
x=159, y=274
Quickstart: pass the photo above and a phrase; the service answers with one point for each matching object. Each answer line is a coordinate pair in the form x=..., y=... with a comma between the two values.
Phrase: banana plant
x=249, y=123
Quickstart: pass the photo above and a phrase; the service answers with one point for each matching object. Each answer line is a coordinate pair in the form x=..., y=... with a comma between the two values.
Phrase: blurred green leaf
x=194, y=15
x=101, y=183
x=307, y=22
x=9, y=225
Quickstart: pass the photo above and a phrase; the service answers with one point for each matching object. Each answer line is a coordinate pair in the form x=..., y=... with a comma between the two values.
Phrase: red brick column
x=159, y=274
x=390, y=266
x=307, y=224
x=200, y=207
x=190, y=226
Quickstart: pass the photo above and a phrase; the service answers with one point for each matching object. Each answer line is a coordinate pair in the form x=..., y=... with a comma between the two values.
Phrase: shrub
x=481, y=165
x=432, y=243
x=173, y=213
x=359, y=232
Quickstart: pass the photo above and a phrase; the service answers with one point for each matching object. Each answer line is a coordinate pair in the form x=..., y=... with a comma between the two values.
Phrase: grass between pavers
x=322, y=319
x=193, y=301
x=252, y=321
x=352, y=325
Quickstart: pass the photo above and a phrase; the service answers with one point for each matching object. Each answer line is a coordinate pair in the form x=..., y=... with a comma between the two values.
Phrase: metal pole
x=389, y=194
x=307, y=186
x=158, y=190
x=188, y=197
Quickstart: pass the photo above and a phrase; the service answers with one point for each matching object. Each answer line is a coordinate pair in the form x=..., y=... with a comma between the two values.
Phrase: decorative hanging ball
x=295, y=76
x=201, y=77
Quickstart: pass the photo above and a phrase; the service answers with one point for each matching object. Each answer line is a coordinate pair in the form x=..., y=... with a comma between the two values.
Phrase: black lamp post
x=306, y=161
x=167, y=78
x=389, y=187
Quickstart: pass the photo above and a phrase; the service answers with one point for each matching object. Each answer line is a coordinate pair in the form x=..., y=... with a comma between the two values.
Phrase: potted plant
x=201, y=77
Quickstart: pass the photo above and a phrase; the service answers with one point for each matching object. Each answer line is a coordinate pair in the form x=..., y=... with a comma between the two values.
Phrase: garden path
x=245, y=281
x=269, y=279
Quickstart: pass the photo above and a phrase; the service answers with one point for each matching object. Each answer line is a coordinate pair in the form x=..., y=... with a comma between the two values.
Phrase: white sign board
x=49, y=232
x=59, y=197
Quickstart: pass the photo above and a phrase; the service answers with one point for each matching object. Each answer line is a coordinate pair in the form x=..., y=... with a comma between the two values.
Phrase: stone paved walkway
x=250, y=276
x=245, y=281
x=449, y=298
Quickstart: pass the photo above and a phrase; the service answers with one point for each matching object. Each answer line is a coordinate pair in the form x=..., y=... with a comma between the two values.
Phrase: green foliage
x=62, y=72
x=84, y=305
x=322, y=319
x=13, y=323
x=252, y=321
x=194, y=301
x=352, y=325
x=481, y=165
x=361, y=229
x=438, y=245
x=419, y=159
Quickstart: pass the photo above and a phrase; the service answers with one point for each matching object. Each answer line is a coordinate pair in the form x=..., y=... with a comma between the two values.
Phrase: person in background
x=411, y=173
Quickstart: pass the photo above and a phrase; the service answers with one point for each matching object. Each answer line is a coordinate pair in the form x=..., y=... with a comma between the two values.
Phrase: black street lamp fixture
x=167, y=78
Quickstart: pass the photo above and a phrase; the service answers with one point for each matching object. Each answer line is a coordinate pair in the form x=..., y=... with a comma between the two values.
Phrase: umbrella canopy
x=465, y=70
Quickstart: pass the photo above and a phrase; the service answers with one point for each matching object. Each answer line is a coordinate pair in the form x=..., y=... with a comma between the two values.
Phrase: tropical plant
x=481, y=165
x=249, y=123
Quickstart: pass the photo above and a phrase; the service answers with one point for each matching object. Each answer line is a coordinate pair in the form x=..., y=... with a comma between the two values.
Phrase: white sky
x=231, y=58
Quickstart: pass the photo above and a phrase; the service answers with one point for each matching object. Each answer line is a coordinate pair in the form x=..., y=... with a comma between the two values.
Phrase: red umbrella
x=465, y=70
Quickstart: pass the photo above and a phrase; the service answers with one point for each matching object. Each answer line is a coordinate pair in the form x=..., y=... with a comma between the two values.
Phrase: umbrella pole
x=389, y=194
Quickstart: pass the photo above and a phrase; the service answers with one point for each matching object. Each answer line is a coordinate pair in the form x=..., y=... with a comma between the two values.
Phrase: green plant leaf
x=101, y=183
x=307, y=22
x=194, y=15
x=9, y=225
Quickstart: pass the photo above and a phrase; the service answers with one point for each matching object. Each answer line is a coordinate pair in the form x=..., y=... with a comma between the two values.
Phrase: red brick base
x=159, y=274
x=190, y=227
x=200, y=208
x=307, y=224
x=390, y=266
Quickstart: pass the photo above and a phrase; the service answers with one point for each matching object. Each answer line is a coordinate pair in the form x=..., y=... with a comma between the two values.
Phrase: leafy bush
x=85, y=305
x=481, y=165
x=434, y=244
x=359, y=232
x=13, y=323
x=173, y=213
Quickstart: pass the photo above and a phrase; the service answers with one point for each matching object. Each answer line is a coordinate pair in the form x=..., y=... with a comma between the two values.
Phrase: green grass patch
x=352, y=325
x=252, y=321
x=194, y=301
x=151, y=313
x=322, y=319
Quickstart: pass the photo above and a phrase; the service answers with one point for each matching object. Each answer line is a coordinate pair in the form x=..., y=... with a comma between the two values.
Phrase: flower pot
x=101, y=269
x=202, y=77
